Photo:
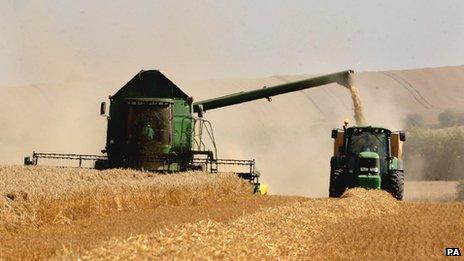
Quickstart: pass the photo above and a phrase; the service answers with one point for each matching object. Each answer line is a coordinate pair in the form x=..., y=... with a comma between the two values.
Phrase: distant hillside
x=289, y=137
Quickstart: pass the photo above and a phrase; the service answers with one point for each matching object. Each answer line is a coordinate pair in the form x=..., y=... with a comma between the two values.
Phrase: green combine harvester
x=152, y=126
x=368, y=157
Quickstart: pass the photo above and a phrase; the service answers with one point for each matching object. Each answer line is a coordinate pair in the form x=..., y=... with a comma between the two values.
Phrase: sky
x=69, y=41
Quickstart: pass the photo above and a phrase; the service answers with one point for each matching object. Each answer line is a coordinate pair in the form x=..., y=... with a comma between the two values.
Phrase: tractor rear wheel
x=394, y=184
x=337, y=184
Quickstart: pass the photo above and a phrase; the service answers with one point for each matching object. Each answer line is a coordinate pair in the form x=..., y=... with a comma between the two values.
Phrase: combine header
x=152, y=126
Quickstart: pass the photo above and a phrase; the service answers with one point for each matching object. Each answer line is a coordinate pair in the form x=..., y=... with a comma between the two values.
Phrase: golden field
x=42, y=195
x=363, y=225
x=71, y=213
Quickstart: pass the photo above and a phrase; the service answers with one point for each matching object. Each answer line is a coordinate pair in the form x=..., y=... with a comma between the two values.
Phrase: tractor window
x=368, y=141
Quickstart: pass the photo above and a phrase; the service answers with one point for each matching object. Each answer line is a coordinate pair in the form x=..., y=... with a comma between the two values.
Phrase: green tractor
x=368, y=157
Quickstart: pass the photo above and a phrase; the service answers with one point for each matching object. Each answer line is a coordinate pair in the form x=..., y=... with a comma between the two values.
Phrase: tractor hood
x=369, y=163
x=368, y=155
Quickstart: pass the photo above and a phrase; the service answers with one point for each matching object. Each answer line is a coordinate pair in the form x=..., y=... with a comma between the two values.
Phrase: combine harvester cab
x=368, y=157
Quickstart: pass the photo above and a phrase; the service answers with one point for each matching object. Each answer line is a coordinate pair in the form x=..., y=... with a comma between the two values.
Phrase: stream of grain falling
x=358, y=109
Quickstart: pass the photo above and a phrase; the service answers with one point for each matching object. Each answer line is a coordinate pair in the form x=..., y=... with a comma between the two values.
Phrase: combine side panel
x=182, y=126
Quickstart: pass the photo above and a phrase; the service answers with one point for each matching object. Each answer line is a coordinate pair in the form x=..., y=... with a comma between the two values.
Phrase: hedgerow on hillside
x=434, y=154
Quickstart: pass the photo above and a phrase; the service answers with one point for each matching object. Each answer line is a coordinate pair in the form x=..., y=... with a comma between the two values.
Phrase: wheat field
x=34, y=196
x=72, y=213
x=362, y=225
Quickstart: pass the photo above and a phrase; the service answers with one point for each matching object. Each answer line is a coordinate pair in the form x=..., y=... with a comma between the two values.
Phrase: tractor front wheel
x=394, y=184
x=337, y=184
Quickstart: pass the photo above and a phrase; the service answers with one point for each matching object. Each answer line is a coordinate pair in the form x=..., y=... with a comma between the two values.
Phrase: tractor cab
x=367, y=149
x=368, y=157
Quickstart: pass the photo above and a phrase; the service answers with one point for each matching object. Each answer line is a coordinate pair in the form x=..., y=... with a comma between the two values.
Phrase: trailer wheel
x=337, y=184
x=394, y=184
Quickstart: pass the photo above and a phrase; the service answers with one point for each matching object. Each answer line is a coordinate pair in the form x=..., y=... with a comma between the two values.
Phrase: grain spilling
x=358, y=108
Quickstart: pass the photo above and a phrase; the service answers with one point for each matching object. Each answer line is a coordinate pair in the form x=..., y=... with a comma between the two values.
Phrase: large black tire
x=394, y=184
x=337, y=184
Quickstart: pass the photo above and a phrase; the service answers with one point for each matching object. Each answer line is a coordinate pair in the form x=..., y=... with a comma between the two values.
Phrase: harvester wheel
x=394, y=184
x=337, y=184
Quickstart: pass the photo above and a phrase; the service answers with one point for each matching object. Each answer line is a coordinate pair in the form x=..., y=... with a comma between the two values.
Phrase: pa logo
x=452, y=251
